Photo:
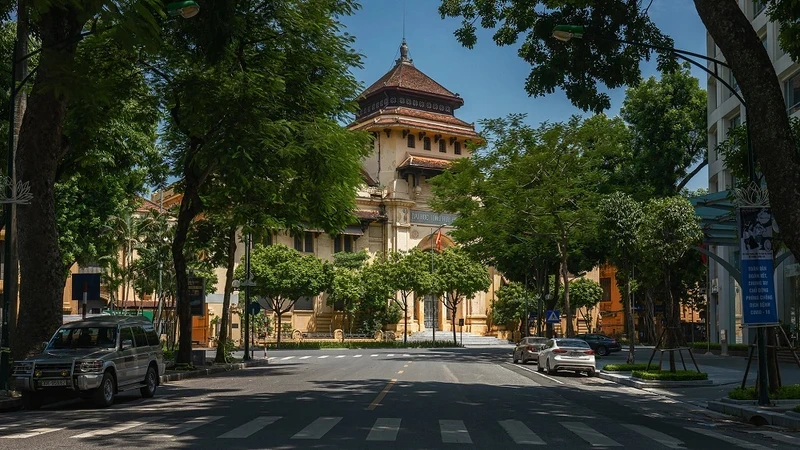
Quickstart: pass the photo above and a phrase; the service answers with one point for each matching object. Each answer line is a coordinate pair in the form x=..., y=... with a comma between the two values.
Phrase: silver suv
x=95, y=359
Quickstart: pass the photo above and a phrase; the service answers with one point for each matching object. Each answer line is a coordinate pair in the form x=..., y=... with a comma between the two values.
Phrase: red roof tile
x=368, y=179
x=425, y=163
x=405, y=76
x=368, y=214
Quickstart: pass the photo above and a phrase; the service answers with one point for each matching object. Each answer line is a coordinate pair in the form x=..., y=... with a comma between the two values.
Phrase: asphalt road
x=352, y=399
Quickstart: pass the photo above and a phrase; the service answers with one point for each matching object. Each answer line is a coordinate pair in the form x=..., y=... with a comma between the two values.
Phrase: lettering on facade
x=432, y=218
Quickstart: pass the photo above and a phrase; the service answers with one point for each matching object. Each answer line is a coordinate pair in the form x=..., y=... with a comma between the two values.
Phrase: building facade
x=724, y=113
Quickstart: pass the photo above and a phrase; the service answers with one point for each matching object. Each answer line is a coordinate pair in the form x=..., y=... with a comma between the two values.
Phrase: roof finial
x=404, y=53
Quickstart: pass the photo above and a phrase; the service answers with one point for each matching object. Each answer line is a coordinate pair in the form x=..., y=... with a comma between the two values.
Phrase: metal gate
x=430, y=316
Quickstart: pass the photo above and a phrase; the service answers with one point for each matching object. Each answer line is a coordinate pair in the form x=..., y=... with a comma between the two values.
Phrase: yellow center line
x=380, y=396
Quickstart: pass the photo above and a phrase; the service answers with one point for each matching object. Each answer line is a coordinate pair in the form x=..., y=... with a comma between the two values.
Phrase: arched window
x=442, y=146
x=411, y=143
x=426, y=143
x=457, y=148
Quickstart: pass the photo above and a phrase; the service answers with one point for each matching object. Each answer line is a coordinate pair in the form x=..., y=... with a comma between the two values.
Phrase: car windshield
x=575, y=343
x=84, y=337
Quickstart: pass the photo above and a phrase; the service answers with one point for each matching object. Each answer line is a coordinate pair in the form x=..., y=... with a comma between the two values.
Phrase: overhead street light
x=187, y=9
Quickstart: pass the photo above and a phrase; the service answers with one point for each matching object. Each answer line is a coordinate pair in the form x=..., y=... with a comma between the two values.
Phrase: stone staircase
x=470, y=339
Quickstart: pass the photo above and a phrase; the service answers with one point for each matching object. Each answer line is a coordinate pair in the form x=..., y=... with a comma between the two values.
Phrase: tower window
x=442, y=146
x=304, y=242
x=411, y=141
x=457, y=148
x=426, y=143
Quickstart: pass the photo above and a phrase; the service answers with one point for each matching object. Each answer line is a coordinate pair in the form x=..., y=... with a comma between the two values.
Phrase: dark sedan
x=602, y=345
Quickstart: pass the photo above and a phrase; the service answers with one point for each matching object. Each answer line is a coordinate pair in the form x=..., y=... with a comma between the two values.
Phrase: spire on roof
x=404, y=54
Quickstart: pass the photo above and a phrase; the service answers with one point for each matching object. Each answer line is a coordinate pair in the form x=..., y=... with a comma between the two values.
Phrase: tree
x=578, y=66
x=585, y=295
x=347, y=289
x=509, y=307
x=282, y=275
x=255, y=98
x=378, y=307
x=620, y=219
x=670, y=226
x=458, y=277
x=407, y=274
x=667, y=119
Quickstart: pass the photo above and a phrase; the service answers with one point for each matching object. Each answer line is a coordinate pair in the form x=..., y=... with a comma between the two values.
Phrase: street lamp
x=17, y=192
x=565, y=33
x=435, y=300
x=246, y=284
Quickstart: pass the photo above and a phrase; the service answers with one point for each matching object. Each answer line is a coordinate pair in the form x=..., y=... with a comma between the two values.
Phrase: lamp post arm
x=676, y=51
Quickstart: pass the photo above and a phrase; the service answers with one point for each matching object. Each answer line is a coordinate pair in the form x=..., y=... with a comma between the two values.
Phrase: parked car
x=602, y=345
x=528, y=349
x=567, y=354
x=95, y=358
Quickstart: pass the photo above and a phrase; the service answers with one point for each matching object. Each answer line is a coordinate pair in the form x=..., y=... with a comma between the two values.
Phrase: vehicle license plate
x=574, y=354
x=48, y=383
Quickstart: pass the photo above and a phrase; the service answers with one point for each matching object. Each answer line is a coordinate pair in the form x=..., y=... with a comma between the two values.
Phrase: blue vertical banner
x=759, y=303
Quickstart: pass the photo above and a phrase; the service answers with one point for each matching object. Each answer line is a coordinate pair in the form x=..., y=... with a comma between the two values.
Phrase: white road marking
x=324, y=356
x=663, y=439
x=728, y=439
x=357, y=356
x=32, y=433
x=271, y=358
x=406, y=355
x=340, y=356
x=288, y=357
x=520, y=433
x=535, y=372
x=390, y=354
x=116, y=429
x=590, y=435
x=317, y=428
x=454, y=432
x=305, y=357
x=372, y=356
x=250, y=428
x=778, y=437
x=385, y=429
x=184, y=427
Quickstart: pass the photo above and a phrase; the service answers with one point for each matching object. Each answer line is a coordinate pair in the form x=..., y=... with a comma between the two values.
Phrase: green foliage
x=796, y=409
x=667, y=119
x=671, y=227
x=575, y=66
x=509, y=306
x=624, y=367
x=311, y=345
x=680, y=375
x=585, y=293
x=733, y=150
x=788, y=392
x=620, y=218
x=349, y=260
x=407, y=273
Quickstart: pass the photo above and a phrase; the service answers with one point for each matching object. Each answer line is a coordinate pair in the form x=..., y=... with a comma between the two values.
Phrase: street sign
x=197, y=296
x=553, y=316
x=255, y=308
x=90, y=281
x=759, y=303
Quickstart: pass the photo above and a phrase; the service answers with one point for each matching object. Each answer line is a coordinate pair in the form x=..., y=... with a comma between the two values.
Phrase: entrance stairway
x=469, y=338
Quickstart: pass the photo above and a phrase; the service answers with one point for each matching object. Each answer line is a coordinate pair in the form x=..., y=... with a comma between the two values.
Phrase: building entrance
x=430, y=315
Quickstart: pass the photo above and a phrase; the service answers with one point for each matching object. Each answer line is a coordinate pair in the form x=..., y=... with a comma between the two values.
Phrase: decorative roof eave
x=457, y=102
x=422, y=165
x=380, y=124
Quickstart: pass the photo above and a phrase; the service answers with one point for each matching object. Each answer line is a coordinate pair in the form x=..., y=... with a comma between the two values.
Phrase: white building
x=724, y=112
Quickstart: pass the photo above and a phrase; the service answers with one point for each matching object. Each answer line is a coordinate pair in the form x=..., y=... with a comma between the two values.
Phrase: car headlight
x=90, y=366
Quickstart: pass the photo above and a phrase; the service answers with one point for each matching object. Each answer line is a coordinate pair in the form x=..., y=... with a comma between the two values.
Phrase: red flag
x=439, y=241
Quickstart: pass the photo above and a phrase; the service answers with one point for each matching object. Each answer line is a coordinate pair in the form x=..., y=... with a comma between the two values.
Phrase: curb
x=10, y=404
x=166, y=378
x=628, y=381
x=757, y=415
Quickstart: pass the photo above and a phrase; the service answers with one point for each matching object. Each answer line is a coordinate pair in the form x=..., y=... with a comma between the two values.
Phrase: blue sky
x=491, y=79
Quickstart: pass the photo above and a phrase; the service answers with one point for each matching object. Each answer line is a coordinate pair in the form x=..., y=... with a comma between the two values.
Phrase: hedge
x=789, y=392
x=713, y=346
x=796, y=409
x=625, y=367
x=661, y=375
x=290, y=345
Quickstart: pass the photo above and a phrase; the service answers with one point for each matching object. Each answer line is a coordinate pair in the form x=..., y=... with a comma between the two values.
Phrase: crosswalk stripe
x=305, y=357
x=323, y=356
x=372, y=356
x=317, y=428
x=250, y=428
x=454, y=432
x=385, y=429
x=116, y=429
x=520, y=433
x=33, y=433
x=406, y=355
x=340, y=356
x=728, y=439
x=288, y=357
x=778, y=437
x=590, y=435
x=390, y=355
x=663, y=439
x=186, y=426
x=357, y=356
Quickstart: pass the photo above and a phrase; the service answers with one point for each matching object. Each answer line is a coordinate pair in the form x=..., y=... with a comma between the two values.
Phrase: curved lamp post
x=18, y=193
x=565, y=33
x=435, y=297
x=246, y=285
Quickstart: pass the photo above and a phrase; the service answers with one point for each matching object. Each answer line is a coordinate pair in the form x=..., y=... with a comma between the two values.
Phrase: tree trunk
x=278, y=341
x=772, y=360
x=454, y=310
x=565, y=274
x=554, y=300
x=774, y=146
x=226, y=299
x=670, y=321
x=40, y=149
x=190, y=207
x=629, y=321
x=405, y=319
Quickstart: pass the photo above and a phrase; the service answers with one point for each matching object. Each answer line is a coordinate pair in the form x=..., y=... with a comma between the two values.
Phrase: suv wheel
x=31, y=400
x=104, y=395
x=150, y=383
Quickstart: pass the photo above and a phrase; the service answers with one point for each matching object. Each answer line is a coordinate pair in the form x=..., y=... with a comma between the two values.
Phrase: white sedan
x=567, y=354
